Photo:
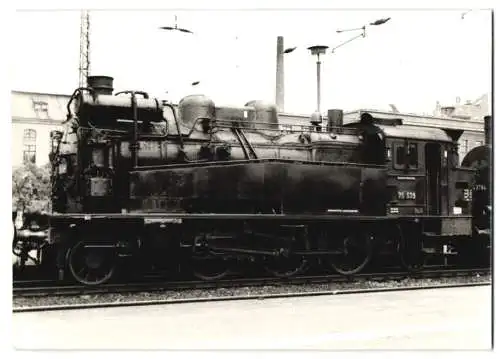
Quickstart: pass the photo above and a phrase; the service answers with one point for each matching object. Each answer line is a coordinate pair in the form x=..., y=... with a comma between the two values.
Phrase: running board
x=435, y=251
x=483, y=232
x=435, y=235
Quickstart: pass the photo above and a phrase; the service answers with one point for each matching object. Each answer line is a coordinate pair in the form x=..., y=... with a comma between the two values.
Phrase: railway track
x=34, y=289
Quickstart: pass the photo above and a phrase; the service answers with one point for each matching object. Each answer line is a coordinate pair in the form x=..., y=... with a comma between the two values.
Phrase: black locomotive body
x=209, y=188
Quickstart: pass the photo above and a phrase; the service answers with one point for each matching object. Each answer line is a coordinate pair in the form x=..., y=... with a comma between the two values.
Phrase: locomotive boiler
x=208, y=159
x=208, y=189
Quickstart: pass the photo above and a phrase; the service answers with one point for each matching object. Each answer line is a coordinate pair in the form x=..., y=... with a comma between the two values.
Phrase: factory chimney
x=280, y=75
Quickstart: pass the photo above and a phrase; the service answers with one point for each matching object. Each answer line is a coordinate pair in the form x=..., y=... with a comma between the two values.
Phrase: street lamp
x=465, y=13
x=321, y=50
x=180, y=29
x=317, y=51
x=176, y=28
x=363, y=34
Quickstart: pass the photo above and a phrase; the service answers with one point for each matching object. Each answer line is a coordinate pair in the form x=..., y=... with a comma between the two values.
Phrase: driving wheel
x=92, y=264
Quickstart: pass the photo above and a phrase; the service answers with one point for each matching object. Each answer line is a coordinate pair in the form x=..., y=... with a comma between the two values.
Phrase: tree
x=31, y=188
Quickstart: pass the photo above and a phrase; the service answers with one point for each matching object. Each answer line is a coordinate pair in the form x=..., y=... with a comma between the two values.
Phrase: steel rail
x=239, y=298
x=156, y=286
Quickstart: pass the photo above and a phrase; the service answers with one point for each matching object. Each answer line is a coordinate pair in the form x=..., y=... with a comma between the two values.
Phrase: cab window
x=399, y=155
x=413, y=155
x=405, y=155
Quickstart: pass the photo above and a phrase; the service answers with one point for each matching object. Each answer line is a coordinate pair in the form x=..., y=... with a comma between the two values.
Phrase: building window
x=29, y=135
x=29, y=154
x=40, y=107
x=29, y=146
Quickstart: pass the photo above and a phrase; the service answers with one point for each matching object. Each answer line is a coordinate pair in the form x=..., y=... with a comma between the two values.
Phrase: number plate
x=407, y=195
x=467, y=195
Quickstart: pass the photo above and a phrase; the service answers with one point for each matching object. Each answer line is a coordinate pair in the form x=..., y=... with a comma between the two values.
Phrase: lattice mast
x=84, y=48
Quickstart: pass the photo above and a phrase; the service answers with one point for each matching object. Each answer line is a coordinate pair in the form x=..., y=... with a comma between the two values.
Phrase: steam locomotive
x=139, y=183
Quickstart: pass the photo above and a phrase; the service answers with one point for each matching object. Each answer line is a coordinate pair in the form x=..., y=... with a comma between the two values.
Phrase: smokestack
x=102, y=85
x=280, y=75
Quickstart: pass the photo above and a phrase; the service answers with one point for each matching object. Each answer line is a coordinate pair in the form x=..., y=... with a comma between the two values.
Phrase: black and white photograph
x=267, y=178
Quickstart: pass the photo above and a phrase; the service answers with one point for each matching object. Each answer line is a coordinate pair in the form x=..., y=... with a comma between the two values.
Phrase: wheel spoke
x=95, y=275
x=87, y=277
x=81, y=271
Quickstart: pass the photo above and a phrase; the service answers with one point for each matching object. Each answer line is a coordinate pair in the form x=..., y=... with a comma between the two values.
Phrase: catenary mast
x=84, y=67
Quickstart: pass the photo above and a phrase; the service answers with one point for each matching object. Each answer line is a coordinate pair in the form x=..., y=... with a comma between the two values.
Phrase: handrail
x=143, y=93
x=237, y=135
x=73, y=96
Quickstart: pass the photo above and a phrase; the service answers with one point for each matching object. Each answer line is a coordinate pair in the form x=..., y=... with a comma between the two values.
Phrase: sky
x=412, y=61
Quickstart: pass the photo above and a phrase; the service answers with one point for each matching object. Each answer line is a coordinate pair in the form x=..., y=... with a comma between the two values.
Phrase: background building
x=469, y=112
x=34, y=115
x=468, y=117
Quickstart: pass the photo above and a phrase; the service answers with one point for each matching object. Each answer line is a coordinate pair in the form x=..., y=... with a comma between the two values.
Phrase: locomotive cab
x=423, y=176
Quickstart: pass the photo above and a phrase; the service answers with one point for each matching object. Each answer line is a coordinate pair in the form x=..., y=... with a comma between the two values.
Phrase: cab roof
x=416, y=133
x=395, y=127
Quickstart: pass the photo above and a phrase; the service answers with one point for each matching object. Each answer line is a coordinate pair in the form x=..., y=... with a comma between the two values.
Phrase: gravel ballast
x=23, y=302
